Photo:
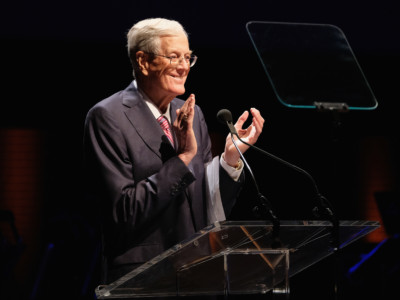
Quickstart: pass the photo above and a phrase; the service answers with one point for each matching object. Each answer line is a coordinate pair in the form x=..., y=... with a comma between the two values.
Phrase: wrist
x=185, y=158
x=237, y=164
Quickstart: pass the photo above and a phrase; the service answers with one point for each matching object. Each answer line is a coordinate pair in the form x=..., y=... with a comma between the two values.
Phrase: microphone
x=323, y=206
x=265, y=208
x=225, y=116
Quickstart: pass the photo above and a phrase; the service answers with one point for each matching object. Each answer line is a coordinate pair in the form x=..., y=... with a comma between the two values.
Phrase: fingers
x=254, y=129
x=185, y=114
x=239, y=123
x=187, y=109
x=189, y=114
x=258, y=120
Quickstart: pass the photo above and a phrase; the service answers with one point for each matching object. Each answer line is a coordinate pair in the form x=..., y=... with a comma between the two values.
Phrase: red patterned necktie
x=165, y=126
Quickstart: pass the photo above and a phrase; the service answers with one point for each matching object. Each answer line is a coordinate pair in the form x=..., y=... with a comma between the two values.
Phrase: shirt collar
x=154, y=109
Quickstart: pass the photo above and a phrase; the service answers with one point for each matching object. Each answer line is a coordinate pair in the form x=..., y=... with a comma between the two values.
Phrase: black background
x=61, y=57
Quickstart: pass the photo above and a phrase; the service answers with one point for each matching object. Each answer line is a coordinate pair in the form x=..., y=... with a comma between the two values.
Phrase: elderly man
x=148, y=154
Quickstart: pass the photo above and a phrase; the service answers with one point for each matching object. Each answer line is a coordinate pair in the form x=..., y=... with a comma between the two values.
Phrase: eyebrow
x=175, y=50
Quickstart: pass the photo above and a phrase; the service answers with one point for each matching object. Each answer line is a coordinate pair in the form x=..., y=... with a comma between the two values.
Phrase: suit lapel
x=142, y=119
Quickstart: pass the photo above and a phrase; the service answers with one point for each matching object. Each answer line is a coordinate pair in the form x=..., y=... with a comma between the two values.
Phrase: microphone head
x=224, y=116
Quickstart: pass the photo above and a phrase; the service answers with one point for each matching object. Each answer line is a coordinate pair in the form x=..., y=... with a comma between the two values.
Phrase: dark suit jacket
x=148, y=199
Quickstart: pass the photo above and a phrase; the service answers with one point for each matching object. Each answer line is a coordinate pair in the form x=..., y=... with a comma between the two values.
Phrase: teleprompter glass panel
x=311, y=65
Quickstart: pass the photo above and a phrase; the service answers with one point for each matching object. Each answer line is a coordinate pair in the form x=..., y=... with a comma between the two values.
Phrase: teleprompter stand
x=312, y=66
x=232, y=258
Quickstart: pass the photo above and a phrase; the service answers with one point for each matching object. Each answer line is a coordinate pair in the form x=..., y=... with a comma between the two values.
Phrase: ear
x=142, y=62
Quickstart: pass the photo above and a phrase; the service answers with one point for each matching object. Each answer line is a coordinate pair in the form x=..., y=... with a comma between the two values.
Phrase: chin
x=178, y=91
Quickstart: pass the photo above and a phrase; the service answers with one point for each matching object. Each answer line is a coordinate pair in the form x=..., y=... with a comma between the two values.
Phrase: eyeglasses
x=175, y=60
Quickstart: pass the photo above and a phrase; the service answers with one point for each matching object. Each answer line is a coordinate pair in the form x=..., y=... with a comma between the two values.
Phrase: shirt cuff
x=233, y=172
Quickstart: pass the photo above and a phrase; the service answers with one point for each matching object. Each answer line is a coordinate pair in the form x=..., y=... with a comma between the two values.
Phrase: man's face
x=168, y=79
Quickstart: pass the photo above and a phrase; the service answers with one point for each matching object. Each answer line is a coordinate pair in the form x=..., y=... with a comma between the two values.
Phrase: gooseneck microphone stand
x=264, y=207
x=323, y=208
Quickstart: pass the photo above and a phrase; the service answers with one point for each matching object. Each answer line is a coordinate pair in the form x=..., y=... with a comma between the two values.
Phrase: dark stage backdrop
x=60, y=58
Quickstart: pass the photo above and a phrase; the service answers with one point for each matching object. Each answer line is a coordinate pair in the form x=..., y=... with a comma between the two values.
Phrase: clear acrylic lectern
x=231, y=258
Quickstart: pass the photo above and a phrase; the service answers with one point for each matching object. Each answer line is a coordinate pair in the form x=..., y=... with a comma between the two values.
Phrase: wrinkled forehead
x=175, y=43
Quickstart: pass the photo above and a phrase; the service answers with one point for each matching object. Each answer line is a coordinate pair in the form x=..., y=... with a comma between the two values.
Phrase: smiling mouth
x=178, y=77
